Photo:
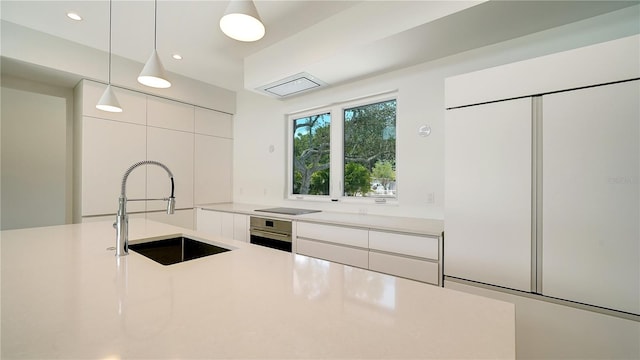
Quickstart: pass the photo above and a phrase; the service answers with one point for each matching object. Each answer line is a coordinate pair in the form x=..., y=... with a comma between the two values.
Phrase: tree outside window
x=365, y=135
x=370, y=150
x=311, y=154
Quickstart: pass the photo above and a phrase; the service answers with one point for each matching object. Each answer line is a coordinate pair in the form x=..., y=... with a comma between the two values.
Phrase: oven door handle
x=270, y=235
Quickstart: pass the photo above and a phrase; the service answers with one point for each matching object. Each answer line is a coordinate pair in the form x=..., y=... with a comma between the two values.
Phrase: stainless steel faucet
x=122, y=219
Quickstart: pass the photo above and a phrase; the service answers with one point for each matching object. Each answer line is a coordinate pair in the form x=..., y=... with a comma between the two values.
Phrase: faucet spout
x=122, y=219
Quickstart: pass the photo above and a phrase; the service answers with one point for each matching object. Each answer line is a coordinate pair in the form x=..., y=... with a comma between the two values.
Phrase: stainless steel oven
x=272, y=233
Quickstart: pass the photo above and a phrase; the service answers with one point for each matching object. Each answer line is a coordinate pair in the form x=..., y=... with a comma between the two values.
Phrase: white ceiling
x=190, y=28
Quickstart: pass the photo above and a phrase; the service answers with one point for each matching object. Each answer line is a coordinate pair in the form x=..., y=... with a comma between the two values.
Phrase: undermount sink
x=176, y=250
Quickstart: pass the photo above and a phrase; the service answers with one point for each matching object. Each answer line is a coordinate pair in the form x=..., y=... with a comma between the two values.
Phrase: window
x=352, y=157
x=311, y=154
x=370, y=150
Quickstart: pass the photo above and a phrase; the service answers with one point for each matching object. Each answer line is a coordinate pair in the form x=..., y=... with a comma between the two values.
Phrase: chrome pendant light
x=242, y=22
x=153, y=73
x=108, y=101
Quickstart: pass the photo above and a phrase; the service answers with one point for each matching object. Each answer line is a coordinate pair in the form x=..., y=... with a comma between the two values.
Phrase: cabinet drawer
x=410, y=268
x=340, y=254
x=335, y=234
x=413, y=245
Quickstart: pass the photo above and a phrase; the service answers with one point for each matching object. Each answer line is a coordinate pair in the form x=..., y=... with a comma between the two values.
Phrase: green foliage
x=369, y=139
x=384, y=173
x=369, y=134
x=319, y=183
x=369, y=148
x=311, y=145
x=357, y=179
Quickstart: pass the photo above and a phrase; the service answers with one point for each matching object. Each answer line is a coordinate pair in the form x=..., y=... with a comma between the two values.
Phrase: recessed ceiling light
x=74, y=16
x=177, y=56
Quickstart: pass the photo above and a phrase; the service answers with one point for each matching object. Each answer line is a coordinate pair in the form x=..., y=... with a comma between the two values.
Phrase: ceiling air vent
x=292, y=85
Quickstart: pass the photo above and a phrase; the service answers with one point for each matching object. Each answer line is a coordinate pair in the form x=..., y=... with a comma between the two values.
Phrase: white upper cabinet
x=109, y=148
x=132, y=103
x=214, y=123
x=488, y=193
x=175, y=150
x=213, y=171
x=591, y=196
x=596, y=64
x=169, y=114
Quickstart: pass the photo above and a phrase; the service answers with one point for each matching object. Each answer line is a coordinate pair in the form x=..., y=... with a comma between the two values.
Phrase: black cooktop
x=288, y=211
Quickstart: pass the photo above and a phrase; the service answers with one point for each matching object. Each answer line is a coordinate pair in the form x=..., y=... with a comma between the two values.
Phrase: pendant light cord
x=110, y=6
x=155, y=25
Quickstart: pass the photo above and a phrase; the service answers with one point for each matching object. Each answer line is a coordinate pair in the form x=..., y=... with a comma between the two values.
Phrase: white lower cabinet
x=404, y=244
x=181, y=218
x=407, y=255
x=224, y=224
x=403, y=266
x=336, y=234
x=336, y=253
x=241, y=227
x=209, y=222
x=340, y=244
x=410, y=256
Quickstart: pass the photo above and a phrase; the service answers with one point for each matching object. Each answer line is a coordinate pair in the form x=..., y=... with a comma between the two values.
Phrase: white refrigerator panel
x=488, y=193
x=591, y=197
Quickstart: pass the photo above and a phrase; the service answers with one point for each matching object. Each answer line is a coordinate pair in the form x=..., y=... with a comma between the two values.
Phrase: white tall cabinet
x=591, y=195
x=149, y=128
x=213, y=157
x=106, y=145
x=541, y=176
x=488, y=193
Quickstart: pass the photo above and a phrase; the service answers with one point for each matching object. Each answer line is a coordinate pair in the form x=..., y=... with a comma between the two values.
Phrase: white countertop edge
x=409, y=225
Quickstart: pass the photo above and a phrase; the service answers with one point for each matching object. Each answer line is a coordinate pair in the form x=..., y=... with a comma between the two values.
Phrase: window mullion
x=337, y=146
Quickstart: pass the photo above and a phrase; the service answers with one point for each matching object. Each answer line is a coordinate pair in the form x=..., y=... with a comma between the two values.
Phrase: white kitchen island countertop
x=66, y=296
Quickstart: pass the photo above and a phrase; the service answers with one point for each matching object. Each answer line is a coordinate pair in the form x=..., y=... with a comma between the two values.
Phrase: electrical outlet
x=431, y=198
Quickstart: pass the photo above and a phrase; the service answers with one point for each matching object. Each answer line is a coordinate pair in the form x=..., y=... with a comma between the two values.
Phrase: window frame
x=336, y=182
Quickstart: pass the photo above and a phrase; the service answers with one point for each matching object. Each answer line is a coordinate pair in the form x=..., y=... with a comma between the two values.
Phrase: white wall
x=36, y=152
x=260, y=175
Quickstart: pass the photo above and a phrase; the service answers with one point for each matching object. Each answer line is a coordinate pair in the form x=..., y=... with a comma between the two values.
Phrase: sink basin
x=176, y=250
